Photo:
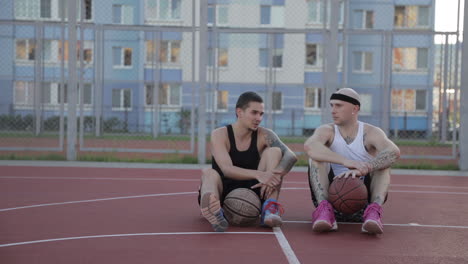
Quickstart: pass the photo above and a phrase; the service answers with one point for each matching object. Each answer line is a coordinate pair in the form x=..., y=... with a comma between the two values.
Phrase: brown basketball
x=348, y=195
x=242, y=207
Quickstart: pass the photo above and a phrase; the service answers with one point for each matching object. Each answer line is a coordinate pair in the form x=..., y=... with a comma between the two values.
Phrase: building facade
x=132, y=54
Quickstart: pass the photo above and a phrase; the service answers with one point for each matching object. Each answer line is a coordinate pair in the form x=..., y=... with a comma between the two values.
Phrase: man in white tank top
x=349, y=148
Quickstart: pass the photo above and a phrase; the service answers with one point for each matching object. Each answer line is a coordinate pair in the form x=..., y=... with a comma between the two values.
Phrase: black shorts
x=229, y=185
x=340, y=217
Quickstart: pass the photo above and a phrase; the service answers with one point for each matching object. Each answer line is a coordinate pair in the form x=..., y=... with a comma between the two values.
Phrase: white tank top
x=353, y=151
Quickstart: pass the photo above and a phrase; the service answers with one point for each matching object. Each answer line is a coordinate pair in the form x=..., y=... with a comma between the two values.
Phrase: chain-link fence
x=150, y=75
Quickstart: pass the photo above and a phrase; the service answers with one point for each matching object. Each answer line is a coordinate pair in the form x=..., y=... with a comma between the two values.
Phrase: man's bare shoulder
x=265, y=135
x=372, y=130
x=219, y=133
x=262, y=131
x=325, y=128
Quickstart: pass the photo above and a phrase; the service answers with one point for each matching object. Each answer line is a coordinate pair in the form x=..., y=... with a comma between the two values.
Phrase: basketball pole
x=463, y=161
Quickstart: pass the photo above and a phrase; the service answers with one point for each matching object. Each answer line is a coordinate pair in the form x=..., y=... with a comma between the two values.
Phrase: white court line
x=434, y=192
x=96, y=178
x=405, y=225
x=181, y=193
x=391, y=191
x=196, y=180
x=287, y=250
x=129, y=235
x=428, y=186
x=97, y=200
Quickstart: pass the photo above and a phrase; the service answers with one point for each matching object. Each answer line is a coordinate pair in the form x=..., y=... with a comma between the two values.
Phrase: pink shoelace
x=374, y=211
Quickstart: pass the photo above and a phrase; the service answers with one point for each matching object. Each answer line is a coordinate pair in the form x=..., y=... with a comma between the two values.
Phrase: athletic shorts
x=229, y=185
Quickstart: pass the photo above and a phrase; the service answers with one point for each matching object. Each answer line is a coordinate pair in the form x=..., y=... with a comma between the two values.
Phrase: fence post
x=202, y=59
x=71, y=120
x=330, y=77
x=463, y=161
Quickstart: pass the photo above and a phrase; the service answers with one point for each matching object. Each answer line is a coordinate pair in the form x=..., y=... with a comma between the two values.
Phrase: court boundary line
x=97, y=178
x=185, y=193
x=284, y=244
x=390, y=191
x=129, y=235
x=181, y=166
x=404, y=225
x=198, y=180
x=97, y=200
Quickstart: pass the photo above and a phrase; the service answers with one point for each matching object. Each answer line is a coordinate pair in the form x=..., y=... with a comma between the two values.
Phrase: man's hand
x=364, y=168
x=353, y=173
x=269, y=178
x=269, y=181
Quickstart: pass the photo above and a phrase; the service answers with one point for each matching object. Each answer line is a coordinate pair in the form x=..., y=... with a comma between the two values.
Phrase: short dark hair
x=246, y=98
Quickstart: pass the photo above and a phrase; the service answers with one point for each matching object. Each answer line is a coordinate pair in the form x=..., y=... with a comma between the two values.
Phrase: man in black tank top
x=245, y=155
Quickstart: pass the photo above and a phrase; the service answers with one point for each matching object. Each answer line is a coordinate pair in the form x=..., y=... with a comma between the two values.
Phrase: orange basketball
x=242, y=207
x=348, y=195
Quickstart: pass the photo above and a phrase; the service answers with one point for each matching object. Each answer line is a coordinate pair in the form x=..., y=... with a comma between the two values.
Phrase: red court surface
x=53, y=214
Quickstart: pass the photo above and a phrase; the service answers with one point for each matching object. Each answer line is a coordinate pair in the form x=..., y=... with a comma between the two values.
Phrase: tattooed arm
x=386, y=152
x=288, y=157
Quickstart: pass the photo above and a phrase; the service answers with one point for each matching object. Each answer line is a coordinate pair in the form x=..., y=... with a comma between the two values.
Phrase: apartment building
x=277, y=48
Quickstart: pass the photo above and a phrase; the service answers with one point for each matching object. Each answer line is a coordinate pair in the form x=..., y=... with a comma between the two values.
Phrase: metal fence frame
x=200, y=82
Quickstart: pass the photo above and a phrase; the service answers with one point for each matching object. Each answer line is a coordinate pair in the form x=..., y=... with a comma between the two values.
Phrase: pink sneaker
x=323, y=218
x=372, y=219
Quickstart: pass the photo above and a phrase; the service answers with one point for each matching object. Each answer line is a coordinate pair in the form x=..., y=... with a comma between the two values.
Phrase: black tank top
x=248, y=159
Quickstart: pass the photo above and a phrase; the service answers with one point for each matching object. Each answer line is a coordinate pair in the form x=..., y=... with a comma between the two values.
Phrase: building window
x=313, y=96
x=313, y=55
x=25, y=49
x=315, y=11
x=411, y=16
x=364, y=19
x=272, y=15
x=122, y=14
x=220, y=55
x=88, y=47
x=410, y=59
x=24, y=93
x=222, y=13
x=48, y=9
x=276, y=56
x=122, y=57
x=150, y=51
x=163, y=9
x=170, y=51
x=121, y=99
x=408, y=100
x=362, y=61
x=277, y=101
x=169, y=94
x=63, y=9
x=87, y=94
x=222, y=100
x=366, y=104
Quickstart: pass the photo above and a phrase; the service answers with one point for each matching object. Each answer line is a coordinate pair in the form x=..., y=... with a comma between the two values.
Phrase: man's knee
x=272, y=152
x=210, y=175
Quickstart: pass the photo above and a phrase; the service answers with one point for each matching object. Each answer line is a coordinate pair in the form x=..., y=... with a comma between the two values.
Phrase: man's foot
x=323, y=218
x=271, y=213
x=372, y=219
x=212, y=211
